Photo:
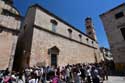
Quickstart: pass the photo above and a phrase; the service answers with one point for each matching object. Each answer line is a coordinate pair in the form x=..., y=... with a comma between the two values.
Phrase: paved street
x=116, y=79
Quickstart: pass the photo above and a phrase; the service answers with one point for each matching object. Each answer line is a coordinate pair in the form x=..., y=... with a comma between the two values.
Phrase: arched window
x=70, y=33
x=92, y=42
x=54, y=24
x=87, y=40
x=80, y=37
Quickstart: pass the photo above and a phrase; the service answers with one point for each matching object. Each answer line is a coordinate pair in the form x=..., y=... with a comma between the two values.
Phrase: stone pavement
x=116, y=79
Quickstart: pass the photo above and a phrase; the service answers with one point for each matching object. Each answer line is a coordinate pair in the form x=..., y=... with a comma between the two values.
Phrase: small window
x=53, y=21
x=80, y=37
x=119, y=15
x=87, y=40
x=4, y=12
x=1, y=30
x=54, y=24
x=25, y=26
x=53, y=27
x=89, y=33
x=92, y=42
x=7, y=13
x=123, y=32
x=70, y=33
x=88, y=27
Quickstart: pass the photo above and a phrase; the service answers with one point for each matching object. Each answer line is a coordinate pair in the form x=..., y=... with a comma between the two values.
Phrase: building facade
x=114, y=23
x=9, y=29
x=43, y=38
x=48, y=39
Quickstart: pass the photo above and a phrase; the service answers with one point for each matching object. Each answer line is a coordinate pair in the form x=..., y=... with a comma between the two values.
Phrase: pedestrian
x=33, y=78
x=88, y=74
x=83, y=72
x=20, y=79
x=95, y=75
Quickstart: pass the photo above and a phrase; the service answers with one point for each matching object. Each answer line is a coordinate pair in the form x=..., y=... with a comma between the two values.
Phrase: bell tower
x=90, y=28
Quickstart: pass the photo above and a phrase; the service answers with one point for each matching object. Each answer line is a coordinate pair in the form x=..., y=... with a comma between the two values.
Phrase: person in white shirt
x=88, y=74
x=33, y=80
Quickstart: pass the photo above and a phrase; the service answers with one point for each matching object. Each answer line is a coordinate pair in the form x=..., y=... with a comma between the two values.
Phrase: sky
x=75, y=11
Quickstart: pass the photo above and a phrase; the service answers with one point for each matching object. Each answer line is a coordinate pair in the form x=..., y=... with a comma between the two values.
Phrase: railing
x=9, y=22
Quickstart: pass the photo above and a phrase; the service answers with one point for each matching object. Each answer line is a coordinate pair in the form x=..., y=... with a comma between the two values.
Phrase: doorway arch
x=54, y=52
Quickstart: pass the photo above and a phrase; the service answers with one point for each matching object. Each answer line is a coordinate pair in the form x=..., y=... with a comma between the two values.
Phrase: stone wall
x=70, y=51
x=8, y=7
x=43, y=19
x=9, y=29
x=5, y=49
x=9, y=22
x=112, y=28
x=6, y=20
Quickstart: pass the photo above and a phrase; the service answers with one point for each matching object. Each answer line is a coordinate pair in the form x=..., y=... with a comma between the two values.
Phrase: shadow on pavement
x=116, y=73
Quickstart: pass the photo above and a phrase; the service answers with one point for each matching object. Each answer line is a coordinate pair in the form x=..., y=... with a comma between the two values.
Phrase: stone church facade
x=45, y=38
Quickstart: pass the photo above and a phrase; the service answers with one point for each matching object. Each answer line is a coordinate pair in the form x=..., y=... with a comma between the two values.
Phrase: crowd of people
x=78, y=73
